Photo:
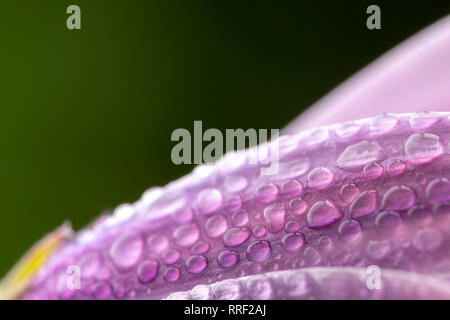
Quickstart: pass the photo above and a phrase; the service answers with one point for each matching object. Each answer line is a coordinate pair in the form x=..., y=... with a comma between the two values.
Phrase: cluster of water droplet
x=374, y=190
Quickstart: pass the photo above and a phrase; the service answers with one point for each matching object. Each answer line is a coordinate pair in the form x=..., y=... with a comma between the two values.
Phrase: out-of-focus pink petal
x=413, y=77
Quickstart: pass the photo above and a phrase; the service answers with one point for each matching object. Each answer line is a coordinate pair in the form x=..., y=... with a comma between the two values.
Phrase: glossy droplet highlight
x=267, y=193
x=157, y=243
x=235, y=237
x=292, y=242
x=228, y=259
x=383, y=123
x=422, y=148
x=209, y=201
x=358, y=155
x=186, y=235
x=372, y=171
x=297, y=207
x=216, y=226
x=291, y=189
x=320, y=178
x=171, y=274
x=200, y=248
x=240, y=218
x=364, y=204
x=275, y=217
x=259, y=231
x=292, y=226
x=127, y=250
x=395, y=168
x=398, y=198
x=348, y=193
x=147, y=271
x=258, y=251
x=196, y=264
x=322, y=214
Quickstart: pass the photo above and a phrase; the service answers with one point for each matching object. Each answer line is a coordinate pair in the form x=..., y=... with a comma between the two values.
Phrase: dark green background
x=86, y=116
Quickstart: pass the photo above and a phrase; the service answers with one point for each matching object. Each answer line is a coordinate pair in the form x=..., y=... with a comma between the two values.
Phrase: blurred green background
x=86, y=115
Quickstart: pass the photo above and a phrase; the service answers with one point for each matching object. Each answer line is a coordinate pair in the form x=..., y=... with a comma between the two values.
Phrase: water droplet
x=267, y=193
x=235, y=184
x=438, y=190
x=258, y=251
x=422, y=148
x=228, y=259
x=358, y=155
x=420, y=178
x=322, y=214
x=292, y=241
x=349, y=230
x=200, y=248
x=387, y=222
x=292, y=226
x=398, y=198
x=372, y=171
x=233, y=204
x=127, y=250
x=364, y=204
x=423, y=120
x=209, y=201
x=170, y=256
x=157, y=243
x=119, y=290
x=383, y=123
x=183, y=216
x=102, y=291
x=186, y=235
x=297, y=207
x=395, y=167
x=240, y=218
x=235, y=237
x=216, y=226
x=418, y=214
x=196, y=264
x=320, y=178
x=348, y=130
x=312, y=256
x=259, y=231
x=89, y=264
x=291, y=189
x=348, y=193
x=147, y=271
x=274, y=216
x=427, y=240
x=293, y=169
x=377, y=250
x=441, y=211
x=325, y=243
x=171, y=274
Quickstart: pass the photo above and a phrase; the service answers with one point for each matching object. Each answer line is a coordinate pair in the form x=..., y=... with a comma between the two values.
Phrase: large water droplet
x=157, y=243
x=297, y=207
x=196, y=264
x=228, y=259
x=209, y=201
x=291, y=189
x=292, y=241
x=348, y=193
x=398, y=198
x=186, y=235
x=216, y=226
x=320, y=178
x=240, y=218
x=200, y=247
x=147, y=271
x=235, y=237
x=383, y=123
x=258, y=251
x=422, y=148
x=423, y=120
x=322, y=214
x=267, y=193
x=364, y=204
x=438, y=190
x=358, y=155
x=387, y=222
x=274, y=216
x=127, y=250
x=349, y=230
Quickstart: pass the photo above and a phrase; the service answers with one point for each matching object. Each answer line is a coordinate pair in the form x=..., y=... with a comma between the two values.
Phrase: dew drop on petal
x=216, y=226
x=102, y=291
x=349, y=230
x=186, y=235
x=359, y=154
x=348, y=193
x=320, y=178
x=438, y=190
x=423, y=120
x=147, y=271
x=427, y=240
x=377, y=250
x=171, y=274
x=157, y=243
x=259, y=251
x=240, y=218
x=297, y=207
x=200, y=247
x=196, y=264
x=322, y=214
x=127, y=250
x=235, y=184
x=259, y=231
x=372, y=171
x=267, y=193
x=383, y=123
x=209, y=201
x=291, y=189
x=422, y=148
x=170, y=256
x=235, y=237
x=398, y=198
x=292, y=242
x=228, y=259
x=275, y=217
x=364, y=204
x=182, y=216
x=292, y=226
x=395, y=167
